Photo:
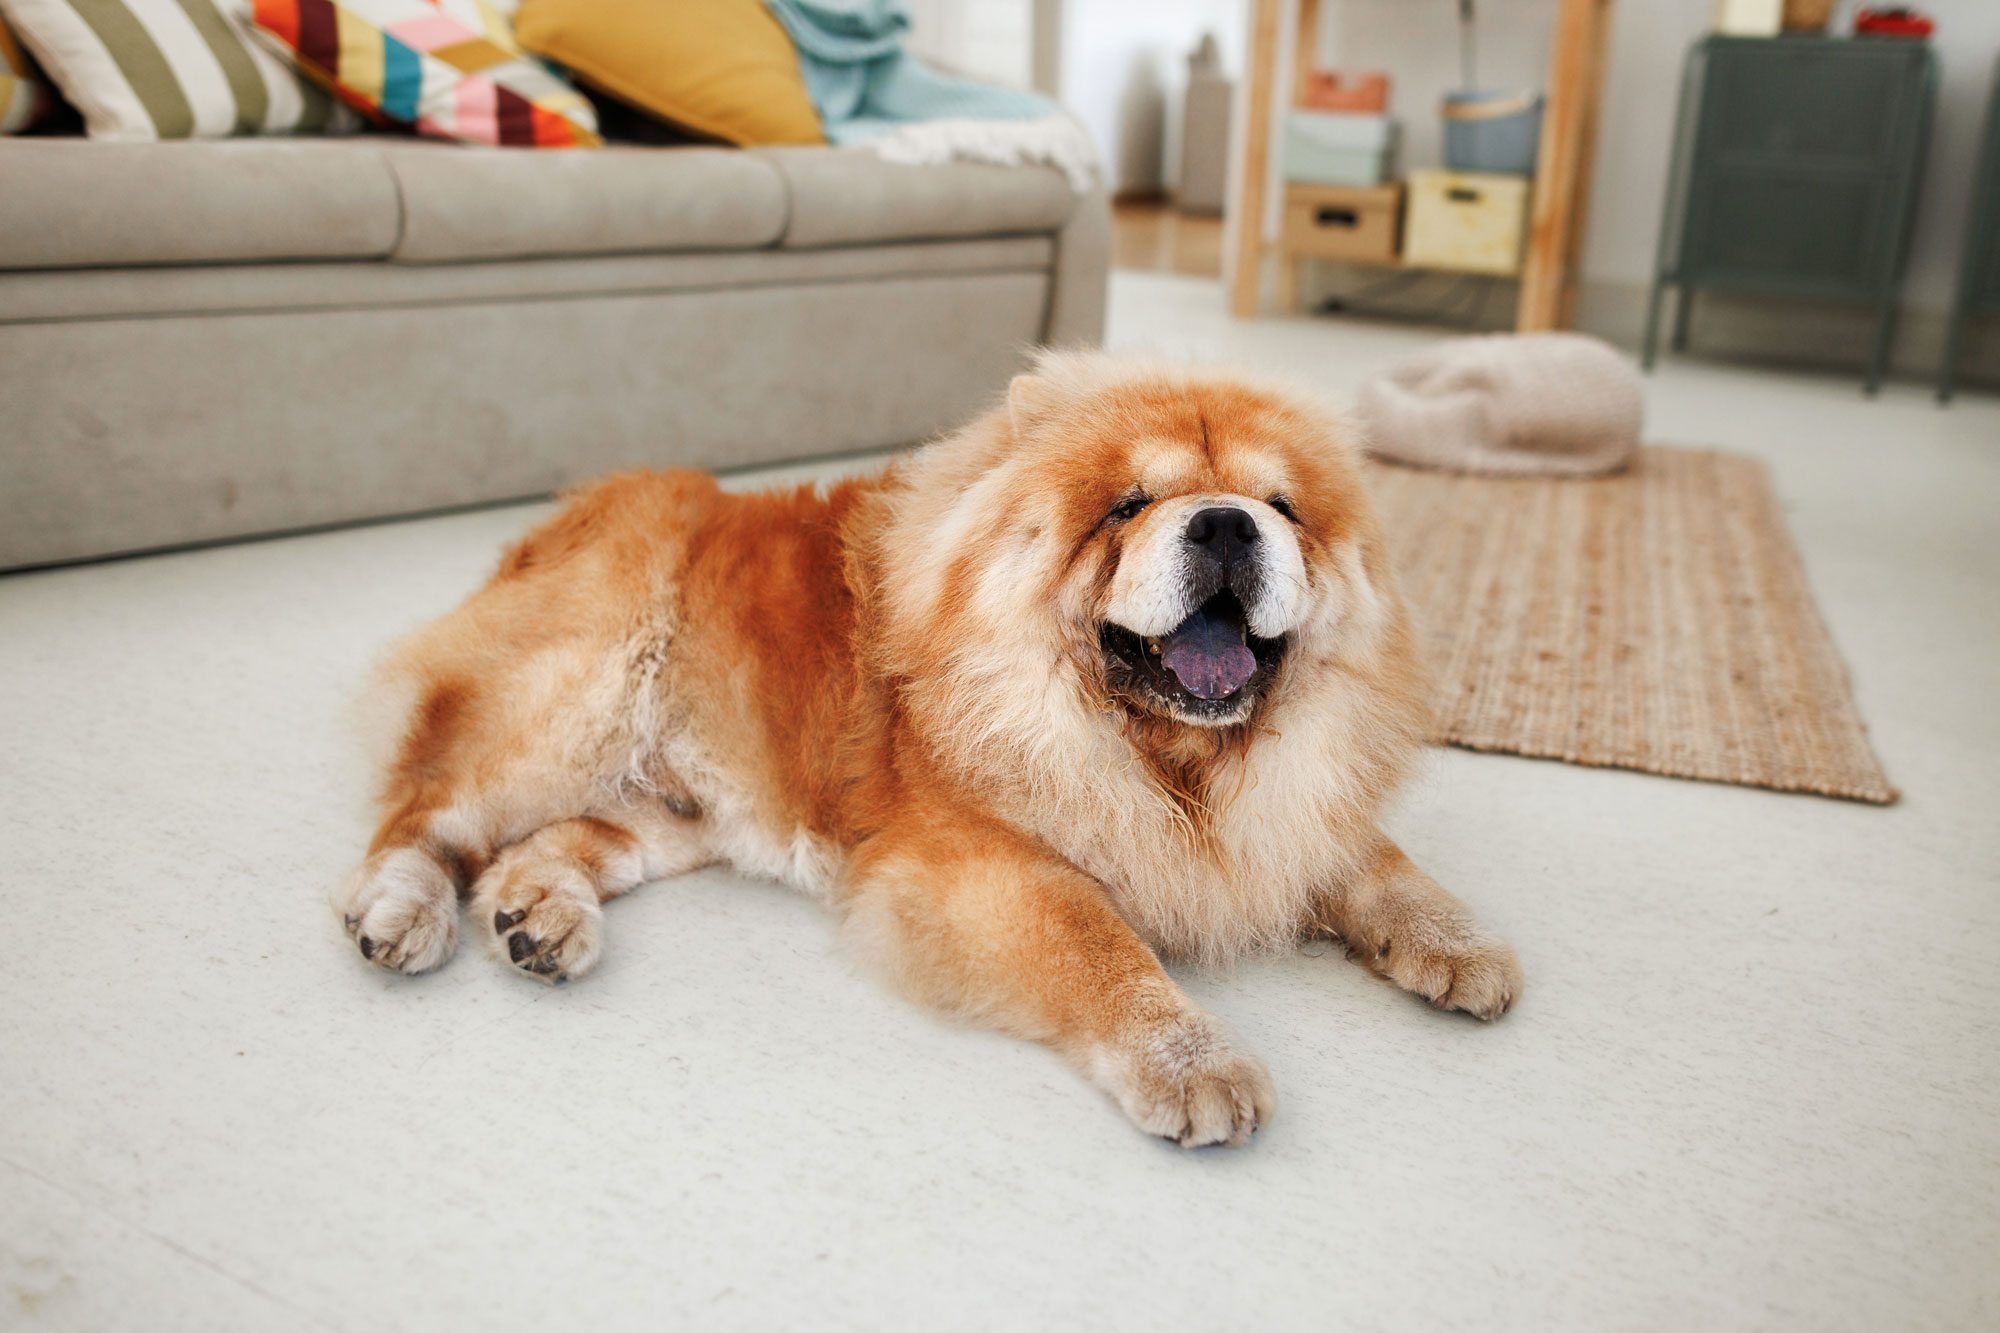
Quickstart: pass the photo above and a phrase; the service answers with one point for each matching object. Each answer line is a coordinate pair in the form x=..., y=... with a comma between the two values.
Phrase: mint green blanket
x=864, y=84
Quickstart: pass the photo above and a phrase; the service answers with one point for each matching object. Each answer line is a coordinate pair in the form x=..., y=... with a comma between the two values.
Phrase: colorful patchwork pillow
x=168, y=69
x=24, y=97
x=451, y=68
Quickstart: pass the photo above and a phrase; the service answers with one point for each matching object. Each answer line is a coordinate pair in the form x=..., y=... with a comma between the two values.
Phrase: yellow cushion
x=722, y=68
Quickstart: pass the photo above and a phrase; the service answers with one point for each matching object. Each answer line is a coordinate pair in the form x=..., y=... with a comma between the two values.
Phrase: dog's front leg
x=1403, y=926
x=971, y=916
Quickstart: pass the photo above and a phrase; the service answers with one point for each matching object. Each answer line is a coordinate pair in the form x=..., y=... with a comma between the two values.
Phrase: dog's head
x=1197, y=563
x=1178, y=544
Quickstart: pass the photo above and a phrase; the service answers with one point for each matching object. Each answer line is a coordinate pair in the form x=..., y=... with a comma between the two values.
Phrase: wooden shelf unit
x=1562, y=171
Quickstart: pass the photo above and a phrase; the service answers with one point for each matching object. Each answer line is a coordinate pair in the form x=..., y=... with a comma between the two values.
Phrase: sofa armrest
x=1079, y=283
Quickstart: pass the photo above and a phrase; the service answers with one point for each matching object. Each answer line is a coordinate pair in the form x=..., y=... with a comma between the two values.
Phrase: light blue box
x=1499, y=132
x=1336, y=148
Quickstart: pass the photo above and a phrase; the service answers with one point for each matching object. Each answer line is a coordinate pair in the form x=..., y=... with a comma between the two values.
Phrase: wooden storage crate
x=1466, y=221
x=1357, y=224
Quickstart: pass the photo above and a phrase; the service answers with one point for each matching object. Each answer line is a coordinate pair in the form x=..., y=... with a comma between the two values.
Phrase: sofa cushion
x=849, y=196
x=69, y=204
x=451, y=68
x=32, y=295
x=490, y=203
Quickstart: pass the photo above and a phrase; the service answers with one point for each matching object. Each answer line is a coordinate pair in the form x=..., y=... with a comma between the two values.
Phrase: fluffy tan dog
x=1116, y=671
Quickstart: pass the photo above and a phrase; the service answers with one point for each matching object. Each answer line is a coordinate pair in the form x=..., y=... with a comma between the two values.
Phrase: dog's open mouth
x=1207, y=668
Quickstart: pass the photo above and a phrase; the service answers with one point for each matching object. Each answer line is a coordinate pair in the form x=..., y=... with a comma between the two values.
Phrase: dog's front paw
x=401, y=911
x=541, y=916
x=1182, y=1080
x=1469, y=971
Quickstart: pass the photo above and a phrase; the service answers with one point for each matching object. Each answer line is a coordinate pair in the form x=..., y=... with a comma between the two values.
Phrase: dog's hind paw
x=541, y=916
x=401, y=911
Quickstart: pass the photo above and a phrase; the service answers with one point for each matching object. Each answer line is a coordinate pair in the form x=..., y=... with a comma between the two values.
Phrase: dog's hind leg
x=534, y=702
x=538, y=903
x=467, y=781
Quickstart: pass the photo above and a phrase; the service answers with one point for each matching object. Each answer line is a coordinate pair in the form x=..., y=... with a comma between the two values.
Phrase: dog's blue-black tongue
x=1208, y=656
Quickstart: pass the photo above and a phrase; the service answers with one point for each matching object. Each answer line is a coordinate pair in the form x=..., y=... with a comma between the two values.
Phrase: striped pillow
x=451, y=68
x=168, y=69
x=24, y=97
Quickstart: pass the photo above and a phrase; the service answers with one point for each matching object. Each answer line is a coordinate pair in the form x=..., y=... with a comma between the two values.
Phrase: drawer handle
x=1461, y=195
x=1337, y=217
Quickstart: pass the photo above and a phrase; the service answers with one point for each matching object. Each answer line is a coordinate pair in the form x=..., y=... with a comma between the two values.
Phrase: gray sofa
x=211, y=340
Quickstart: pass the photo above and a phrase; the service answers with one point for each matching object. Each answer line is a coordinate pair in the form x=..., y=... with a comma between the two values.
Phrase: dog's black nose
x=1225, y=533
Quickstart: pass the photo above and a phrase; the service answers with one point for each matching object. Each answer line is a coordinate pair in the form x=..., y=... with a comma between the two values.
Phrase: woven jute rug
x=1656, y=620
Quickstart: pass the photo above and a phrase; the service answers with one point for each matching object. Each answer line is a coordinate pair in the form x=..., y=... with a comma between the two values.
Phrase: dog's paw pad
x=545, y=919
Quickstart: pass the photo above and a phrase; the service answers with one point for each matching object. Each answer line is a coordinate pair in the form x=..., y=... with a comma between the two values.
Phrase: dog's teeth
x=1153, y=647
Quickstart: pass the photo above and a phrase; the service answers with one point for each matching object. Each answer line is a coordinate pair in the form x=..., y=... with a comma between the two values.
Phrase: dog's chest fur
x=1275, y=834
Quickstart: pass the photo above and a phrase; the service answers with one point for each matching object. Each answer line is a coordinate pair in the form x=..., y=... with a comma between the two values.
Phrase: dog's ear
x=1030, y=399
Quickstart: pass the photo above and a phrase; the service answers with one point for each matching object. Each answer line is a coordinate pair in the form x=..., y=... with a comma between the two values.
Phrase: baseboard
x=1818, y=334
x=1807, y=334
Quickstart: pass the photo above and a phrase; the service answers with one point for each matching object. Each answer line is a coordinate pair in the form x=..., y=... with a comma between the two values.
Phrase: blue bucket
x=1492, y=131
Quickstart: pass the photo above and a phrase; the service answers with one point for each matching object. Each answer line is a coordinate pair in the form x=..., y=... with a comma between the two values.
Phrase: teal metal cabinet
x=1795, y=172
x=1979, y=270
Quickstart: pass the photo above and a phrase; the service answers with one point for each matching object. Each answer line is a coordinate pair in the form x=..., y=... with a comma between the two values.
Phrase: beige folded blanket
x=1552, y=404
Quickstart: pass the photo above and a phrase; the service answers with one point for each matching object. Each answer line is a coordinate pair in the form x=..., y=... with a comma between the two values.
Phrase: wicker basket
x=1808, y=15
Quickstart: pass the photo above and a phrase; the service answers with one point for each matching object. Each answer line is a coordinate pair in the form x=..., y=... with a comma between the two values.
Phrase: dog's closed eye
x=1128, y=507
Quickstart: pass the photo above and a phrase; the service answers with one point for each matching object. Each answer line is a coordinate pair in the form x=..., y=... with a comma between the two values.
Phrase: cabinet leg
x=1948, y=371
x=1878, y=357
x=1650, y=349
x=1683, y=308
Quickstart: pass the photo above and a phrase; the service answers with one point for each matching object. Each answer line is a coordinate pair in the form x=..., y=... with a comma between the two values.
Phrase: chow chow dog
x=1116, y=672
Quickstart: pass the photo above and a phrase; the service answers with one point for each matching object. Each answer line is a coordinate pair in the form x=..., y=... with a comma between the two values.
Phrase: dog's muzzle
x=1207, y=652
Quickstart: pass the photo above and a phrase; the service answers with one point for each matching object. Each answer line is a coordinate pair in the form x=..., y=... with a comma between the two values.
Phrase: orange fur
x=894, y=694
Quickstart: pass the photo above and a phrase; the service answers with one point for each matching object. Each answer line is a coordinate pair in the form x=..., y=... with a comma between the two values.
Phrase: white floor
x=1754, y=1081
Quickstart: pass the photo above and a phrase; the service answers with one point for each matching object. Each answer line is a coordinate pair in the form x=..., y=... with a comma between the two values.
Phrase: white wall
x=990, y=40
x=1123, y=70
